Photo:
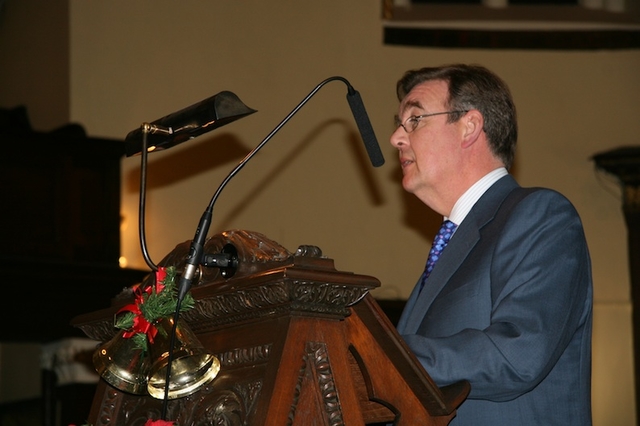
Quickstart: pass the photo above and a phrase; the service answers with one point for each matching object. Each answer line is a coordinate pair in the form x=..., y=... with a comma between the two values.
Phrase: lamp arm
x=145, y=127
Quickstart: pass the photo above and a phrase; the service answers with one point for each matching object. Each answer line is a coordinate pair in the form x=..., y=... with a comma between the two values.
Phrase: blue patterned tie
x=439, y=243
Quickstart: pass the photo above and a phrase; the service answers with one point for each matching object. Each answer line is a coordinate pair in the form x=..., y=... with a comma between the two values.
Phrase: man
x=508, y=304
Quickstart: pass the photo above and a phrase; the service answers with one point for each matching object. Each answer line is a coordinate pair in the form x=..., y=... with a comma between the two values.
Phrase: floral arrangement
x=151, y=304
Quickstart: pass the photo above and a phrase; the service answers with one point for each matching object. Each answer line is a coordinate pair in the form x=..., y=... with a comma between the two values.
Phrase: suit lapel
x=457, y=250
x=466, y=237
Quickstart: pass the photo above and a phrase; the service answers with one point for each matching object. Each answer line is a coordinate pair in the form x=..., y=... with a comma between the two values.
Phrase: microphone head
x=364, y=126
x=188, y=123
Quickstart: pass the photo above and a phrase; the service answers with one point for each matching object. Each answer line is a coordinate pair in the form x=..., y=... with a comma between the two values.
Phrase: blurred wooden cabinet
x=59, y=247
x=60, y=233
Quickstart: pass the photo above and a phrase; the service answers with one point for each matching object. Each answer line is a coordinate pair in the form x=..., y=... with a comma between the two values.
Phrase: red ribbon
x=140, y=323
x=158, y=423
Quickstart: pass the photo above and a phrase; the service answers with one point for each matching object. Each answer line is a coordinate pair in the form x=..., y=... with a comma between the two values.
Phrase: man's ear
x=473, y=123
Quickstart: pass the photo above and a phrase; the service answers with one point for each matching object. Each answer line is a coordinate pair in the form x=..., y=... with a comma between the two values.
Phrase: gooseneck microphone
x=196, y=251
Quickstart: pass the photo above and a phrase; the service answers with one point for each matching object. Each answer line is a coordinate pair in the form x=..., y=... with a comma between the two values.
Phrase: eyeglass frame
x=417, y=118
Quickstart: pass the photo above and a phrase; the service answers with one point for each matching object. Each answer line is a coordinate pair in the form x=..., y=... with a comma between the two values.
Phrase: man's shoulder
x=506, y=199
x=507, y=193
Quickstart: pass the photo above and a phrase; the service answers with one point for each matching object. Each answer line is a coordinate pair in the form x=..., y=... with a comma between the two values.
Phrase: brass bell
x=122, y=364
x=191, y=367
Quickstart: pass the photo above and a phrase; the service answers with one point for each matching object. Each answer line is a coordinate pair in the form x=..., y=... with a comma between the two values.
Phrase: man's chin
x=408, y=185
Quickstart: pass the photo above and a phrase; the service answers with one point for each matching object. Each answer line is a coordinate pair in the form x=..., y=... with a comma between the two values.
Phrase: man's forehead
x=410, y=102
x=423, y=99
x=424, y=94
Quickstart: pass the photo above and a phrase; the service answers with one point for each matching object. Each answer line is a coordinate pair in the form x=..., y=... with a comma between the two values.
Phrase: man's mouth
x=404, y=162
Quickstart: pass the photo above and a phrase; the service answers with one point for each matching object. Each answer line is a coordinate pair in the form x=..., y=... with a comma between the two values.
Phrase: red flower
x=151, y=422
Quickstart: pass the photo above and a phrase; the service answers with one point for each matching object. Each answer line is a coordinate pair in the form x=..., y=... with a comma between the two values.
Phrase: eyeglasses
x=411, y=123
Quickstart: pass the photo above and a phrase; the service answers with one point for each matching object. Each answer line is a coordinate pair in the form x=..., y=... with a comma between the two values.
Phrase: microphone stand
x=228, y=261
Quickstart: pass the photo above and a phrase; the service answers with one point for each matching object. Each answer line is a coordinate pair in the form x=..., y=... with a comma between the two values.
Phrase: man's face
x=430, y=154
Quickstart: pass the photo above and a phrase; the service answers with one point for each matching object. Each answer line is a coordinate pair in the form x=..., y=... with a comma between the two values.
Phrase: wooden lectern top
x=299, y=342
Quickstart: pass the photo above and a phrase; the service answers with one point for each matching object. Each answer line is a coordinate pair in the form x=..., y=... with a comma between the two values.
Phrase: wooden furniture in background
x=624, y=163
x=60, y=233
x=59, y=249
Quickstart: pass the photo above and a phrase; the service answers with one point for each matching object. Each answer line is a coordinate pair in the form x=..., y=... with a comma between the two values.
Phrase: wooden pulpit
x=299, y=343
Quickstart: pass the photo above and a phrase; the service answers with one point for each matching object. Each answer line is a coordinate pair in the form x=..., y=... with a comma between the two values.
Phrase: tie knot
x=439, y=243
x=447, y=225
x=444, y=234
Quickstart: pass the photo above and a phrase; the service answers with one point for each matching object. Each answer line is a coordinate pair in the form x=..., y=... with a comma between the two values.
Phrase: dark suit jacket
x=508, y=307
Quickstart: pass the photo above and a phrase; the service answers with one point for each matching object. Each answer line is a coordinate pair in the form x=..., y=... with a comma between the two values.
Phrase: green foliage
x=153, y=305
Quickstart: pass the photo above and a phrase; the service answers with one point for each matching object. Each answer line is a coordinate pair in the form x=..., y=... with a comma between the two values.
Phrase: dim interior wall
x=34, y=69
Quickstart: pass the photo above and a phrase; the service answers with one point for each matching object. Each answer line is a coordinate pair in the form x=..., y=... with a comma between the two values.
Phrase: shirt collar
x=464, y=204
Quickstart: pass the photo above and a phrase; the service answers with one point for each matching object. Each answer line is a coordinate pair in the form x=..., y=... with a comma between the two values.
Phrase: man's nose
x=398, y=137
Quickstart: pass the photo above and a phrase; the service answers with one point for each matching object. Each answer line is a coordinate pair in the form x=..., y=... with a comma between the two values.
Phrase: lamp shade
x=188, y=123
